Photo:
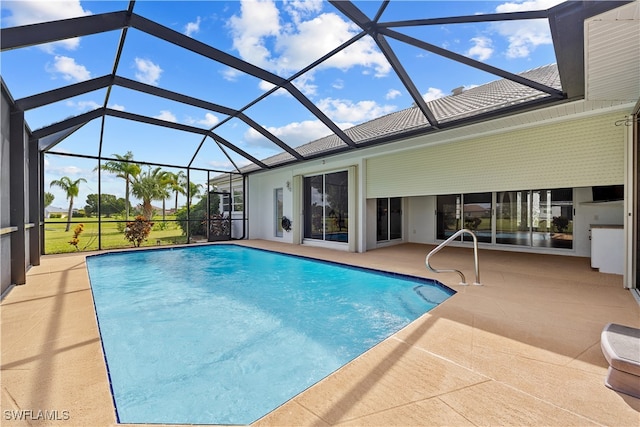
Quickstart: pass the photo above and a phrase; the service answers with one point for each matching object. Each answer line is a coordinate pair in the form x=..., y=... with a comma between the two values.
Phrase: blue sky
x=282, y=37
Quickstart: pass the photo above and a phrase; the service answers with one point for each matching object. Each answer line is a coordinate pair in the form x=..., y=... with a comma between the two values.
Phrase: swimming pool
x=223, y=334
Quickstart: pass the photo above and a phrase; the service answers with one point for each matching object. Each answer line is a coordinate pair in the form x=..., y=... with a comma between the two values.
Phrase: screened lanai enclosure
x=150, y=140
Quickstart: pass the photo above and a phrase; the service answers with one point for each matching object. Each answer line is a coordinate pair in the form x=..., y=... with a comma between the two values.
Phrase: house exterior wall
x=261, y=201
x=561, y=153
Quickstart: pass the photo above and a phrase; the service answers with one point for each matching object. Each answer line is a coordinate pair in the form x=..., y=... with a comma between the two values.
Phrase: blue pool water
x=223, y=334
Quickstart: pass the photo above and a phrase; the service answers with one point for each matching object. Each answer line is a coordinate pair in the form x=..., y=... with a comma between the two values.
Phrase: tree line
x=148, y=185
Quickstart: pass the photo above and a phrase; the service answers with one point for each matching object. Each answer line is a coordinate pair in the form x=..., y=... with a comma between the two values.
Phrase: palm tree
x=194, y=190
x=176, y=182
x=150, y=185
x=72, y=188
x=125, y=169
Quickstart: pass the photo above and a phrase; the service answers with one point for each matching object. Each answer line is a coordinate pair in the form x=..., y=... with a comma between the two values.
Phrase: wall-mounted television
x=607, y=193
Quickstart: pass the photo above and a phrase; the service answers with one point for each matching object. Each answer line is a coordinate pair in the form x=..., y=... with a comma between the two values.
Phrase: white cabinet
x=607, y=248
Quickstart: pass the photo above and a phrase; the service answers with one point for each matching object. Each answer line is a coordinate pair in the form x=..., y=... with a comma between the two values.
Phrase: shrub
x=138, y=230
x=77, y=231
x=55, y=215
x=197, y=216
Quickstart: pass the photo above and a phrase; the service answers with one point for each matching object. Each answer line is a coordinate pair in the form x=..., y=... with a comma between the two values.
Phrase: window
x=225, y=200
x=279, y=211
x=238, y=200
x=326, y=210
x=389, y=219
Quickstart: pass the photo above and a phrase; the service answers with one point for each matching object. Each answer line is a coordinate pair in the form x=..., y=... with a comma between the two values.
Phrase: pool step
x=621, y=347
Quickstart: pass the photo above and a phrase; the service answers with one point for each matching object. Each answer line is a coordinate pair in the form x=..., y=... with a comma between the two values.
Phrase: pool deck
x=521, y=350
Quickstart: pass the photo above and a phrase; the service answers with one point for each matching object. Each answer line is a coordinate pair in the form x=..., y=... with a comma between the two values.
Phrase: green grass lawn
x=56, y=239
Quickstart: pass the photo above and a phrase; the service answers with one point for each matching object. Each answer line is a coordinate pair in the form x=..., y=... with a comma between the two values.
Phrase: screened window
x=326, y=215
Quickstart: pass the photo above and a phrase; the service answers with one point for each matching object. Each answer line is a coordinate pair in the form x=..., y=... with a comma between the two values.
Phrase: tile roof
x=486, y=98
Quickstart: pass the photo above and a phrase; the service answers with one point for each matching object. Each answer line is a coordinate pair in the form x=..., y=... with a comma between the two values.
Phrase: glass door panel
x=314, y=207
x=477, y=216
x=382, y=219
x=336, y=218
x=513, y=218
x=552, y=218
x=448, y=215
x=395, y=218
x=388, y=219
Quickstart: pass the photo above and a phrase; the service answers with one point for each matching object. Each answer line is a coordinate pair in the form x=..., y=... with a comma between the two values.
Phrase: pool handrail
x=445, y=243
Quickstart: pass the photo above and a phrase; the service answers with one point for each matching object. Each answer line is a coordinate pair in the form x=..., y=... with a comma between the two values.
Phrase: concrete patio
x=521, y=350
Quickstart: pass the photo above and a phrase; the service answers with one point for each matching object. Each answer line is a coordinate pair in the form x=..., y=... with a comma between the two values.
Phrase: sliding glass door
x=389, y=219
x=536, y=218
x=326, y=210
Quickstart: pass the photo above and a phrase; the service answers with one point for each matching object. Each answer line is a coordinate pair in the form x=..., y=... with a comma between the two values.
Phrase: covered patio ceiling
x=565, y=22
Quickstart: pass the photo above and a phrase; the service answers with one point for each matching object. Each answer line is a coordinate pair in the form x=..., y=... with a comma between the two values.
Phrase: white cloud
x=192, y=27
x=347, y=111
x=433, y=93
x=305, y=84
x=167, y=116
x=482, y=48
x=523, y=6
x=266, y=86
x=393, y=94
x=230, y=74
x=227, y=165
x=260, y=39
x=32, y=12
x=257, y=21
x=70, y=171
x=209, y=120
x=83, y=105
x=148, y=72
x=117, y=107
x=524, y=36
x=316, y=37
x=298, y=9
x=338, y=84
x=293, y=134
x=68, y=68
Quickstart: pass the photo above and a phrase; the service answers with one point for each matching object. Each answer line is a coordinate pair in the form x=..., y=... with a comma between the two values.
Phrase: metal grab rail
x=445, y=243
